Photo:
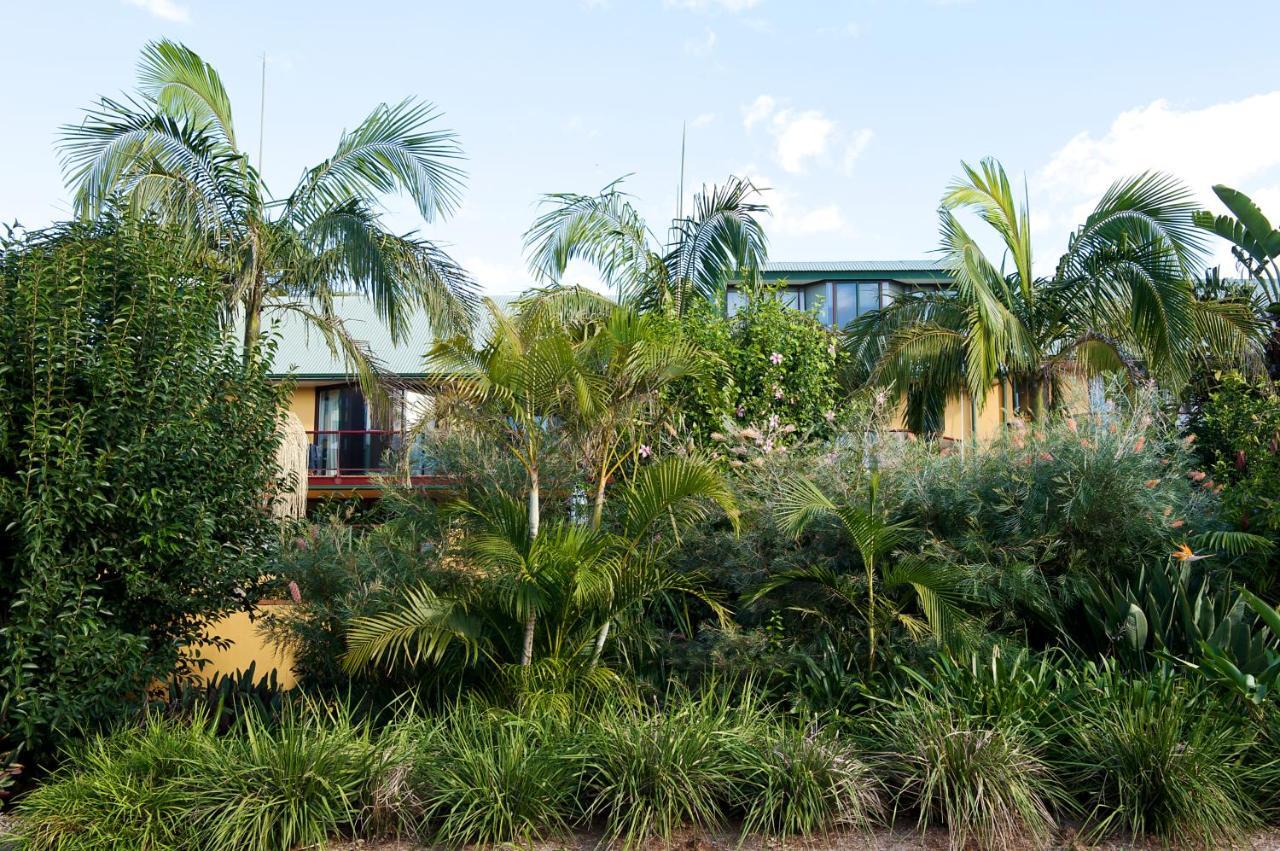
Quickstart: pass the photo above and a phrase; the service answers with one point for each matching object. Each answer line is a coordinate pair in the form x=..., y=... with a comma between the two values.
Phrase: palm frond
x=183, y=85
x=422, y=629
x=393, y=150
x=604, y=230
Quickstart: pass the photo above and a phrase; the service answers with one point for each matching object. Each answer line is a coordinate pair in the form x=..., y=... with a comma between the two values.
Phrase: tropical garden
x=690, y=577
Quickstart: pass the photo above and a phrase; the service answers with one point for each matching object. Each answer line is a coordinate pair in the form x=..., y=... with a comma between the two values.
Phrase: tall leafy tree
x=172, y=151
x=1120, y=298
x=721, y=239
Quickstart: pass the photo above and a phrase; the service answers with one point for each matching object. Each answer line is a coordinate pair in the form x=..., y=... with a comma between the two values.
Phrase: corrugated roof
x=301, y=350
x=302, y=353
x=888, y=266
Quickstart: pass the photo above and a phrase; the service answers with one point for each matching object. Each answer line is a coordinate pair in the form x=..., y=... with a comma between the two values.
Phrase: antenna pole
x=262, y=111
x=680, y=193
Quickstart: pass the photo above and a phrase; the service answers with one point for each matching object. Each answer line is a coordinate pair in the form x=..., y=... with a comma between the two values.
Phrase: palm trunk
x=871, y=616
x=535, y=516
x=597, y=517
x=1036, y=390
x=252, y=328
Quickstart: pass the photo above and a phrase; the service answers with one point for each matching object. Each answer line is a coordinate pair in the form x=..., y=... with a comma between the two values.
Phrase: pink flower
x=294, y=593
x=777, y=392
x=831, y=416
x=773, y=421
x=775, y=358
x=740, y=412
x=645, y=450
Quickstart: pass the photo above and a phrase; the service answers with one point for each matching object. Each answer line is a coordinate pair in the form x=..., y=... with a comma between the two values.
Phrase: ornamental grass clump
x=981, y=778
x=1158, y=756
x=489, y=776
x=807, y=782
x=120, y=792
x=648, y=773
x=176, y=784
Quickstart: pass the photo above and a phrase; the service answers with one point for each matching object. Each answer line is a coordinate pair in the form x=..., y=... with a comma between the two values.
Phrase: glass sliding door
x=324, y=451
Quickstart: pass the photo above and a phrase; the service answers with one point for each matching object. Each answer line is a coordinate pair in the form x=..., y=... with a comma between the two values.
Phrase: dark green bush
x=1156, y=755
x=136, y=450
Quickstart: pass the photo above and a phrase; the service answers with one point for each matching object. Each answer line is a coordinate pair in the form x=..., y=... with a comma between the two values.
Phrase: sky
x=853, y=116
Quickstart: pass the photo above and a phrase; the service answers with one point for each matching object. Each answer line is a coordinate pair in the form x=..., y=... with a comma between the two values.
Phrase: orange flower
x=1085, y=443
x=1112, y=428
x=1045, y=456
x=1178, y=524
x=1196, y=475
x=1139, y=443
x=1151, y=483
x=1184, y=553
x=1071, y=423
x=1189, y=439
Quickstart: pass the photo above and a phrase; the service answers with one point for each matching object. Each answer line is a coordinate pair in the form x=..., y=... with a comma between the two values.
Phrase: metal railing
x=339, y=453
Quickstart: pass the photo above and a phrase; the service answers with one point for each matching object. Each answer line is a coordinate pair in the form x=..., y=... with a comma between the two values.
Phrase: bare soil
x=896, y=839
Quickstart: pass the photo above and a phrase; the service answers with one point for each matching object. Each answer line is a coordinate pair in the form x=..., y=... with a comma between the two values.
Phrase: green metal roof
x=301, y=351
x=889, y=267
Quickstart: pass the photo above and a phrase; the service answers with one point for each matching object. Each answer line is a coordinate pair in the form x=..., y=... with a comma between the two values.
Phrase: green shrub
x=806, y=782
x=982, y=778
x=285, y=785
x=136, y=448
x=175, y=784
x=1156, y=755
x=767, y=361
x=124, y=791
x=1237, y=431
x=648, y=773
x=488, y=776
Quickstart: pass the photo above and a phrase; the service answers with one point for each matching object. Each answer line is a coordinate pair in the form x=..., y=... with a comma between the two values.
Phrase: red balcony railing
x=360, y=457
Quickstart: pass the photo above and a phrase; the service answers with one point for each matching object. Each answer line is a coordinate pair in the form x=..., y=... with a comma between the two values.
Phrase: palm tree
x=1119, y=299
x=570, y=578
x=721, y=240
x=1254, y=242
x=172, y=152
x=875, y=537
x=515, y=388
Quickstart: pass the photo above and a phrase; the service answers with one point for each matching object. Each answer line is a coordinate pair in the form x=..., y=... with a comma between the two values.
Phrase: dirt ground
x=898, y=839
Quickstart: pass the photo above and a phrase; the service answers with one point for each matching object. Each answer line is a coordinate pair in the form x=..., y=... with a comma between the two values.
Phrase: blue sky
x=855, y=115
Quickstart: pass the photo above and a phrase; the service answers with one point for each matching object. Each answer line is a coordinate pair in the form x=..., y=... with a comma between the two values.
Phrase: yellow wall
x=303, y=404
x=248, y=645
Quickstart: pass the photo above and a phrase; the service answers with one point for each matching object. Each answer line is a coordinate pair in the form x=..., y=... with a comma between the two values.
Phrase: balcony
x=361, y=462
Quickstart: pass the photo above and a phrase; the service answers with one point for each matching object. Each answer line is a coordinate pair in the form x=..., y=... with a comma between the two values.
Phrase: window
x=868, y=297
x=817, y=298
x=791, y=297
x=736, y=301
x=846, y=304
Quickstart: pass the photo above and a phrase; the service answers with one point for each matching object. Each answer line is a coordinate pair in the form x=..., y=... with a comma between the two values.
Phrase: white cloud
x=701, y=46
x=734, y=6
x=166, y=9
x=1231, y=142
x=789, y=217
x=857, y=144
x=760, y=109
x=703, y=120
x=802, y=136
